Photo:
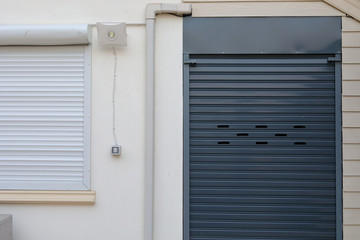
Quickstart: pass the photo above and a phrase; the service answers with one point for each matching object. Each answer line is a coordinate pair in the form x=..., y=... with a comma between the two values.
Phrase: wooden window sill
x=48, y=197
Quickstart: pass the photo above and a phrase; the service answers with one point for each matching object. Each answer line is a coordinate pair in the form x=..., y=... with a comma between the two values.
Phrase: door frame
x=196, y=35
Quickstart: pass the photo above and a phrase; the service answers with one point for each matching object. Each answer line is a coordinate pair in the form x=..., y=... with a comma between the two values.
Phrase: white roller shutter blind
x=45, y=118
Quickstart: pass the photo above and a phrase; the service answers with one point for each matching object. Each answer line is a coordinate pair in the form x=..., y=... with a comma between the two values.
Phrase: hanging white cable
x=113, y=97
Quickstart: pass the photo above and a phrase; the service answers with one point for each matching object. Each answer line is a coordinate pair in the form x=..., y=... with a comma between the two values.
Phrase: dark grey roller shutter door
x=261, y=147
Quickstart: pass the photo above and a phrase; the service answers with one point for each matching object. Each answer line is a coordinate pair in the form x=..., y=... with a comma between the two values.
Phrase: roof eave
x=350, y=7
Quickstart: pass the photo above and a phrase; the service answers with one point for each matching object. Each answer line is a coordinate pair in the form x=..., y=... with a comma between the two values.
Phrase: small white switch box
x=111, y=34
x=116, y=150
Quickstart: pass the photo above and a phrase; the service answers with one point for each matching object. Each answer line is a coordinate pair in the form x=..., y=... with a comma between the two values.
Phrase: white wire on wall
x=113, y=98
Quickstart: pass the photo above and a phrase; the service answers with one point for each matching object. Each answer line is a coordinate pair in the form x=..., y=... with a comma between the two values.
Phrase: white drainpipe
x=150, y=15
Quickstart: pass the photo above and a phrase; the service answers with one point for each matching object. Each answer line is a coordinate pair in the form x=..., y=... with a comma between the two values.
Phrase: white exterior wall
x=119, y=182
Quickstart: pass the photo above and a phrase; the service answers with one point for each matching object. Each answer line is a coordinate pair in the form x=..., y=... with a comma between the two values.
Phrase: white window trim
x=87, y=119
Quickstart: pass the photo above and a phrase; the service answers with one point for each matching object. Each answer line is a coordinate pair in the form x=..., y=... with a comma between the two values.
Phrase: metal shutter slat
x=262, y=147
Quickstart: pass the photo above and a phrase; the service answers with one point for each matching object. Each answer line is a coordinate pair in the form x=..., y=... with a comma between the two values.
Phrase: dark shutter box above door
x=267, y=35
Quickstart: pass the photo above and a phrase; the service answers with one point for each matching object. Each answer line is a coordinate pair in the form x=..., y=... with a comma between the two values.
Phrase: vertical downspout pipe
x=149, y=128
x=150, y=15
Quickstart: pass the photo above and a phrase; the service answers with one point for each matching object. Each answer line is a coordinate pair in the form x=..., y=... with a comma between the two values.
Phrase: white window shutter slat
x=44, y=118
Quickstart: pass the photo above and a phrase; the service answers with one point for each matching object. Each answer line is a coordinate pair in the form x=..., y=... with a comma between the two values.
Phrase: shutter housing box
x=45, y=34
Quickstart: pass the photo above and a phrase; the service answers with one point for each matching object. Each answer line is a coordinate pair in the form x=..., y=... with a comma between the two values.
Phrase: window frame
x=85, y=184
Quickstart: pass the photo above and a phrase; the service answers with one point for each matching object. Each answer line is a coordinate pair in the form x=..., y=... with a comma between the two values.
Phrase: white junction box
x=5, y=227
x=112, y=34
